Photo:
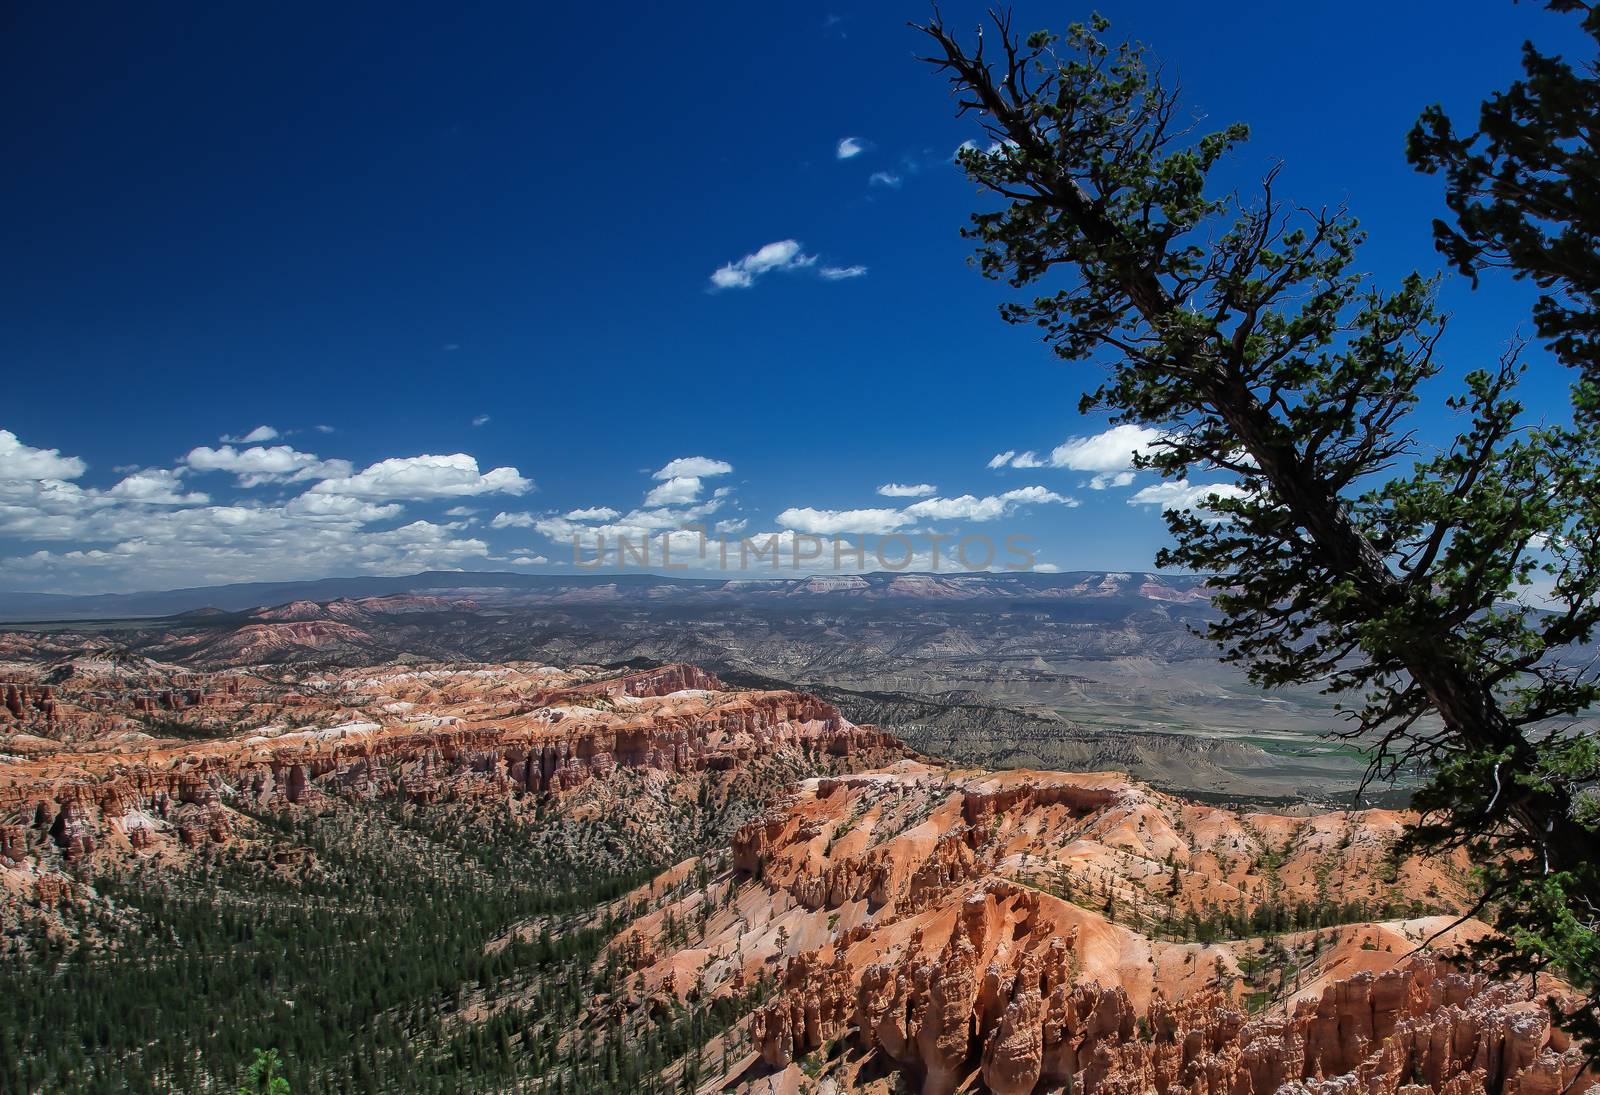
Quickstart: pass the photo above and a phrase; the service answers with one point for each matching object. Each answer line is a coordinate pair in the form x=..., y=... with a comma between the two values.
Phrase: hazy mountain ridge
x=22, y=606
x=1089, y=669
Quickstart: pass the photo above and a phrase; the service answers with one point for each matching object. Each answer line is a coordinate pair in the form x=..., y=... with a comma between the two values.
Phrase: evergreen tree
x=1241, y=336
x=1522, y=193
x=264, y=1075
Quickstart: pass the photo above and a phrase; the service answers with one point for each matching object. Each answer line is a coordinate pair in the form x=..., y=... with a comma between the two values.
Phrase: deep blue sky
x=391, y=220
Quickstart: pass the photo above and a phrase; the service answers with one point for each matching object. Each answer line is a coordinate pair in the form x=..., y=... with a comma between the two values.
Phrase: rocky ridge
x=1036, y=932
x=424, y=734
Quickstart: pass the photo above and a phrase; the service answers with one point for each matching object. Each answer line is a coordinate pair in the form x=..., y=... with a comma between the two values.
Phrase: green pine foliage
x=1344, y=553
x=452, y=948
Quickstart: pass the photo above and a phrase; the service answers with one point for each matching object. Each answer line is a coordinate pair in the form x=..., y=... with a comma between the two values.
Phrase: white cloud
x=826, y=522
x=1111, y=479
x=884, y=178
x=253, y=437
x=730, y=526
x=149, y=531
x=528, y=560
x=677, y=491
x=970, y=508
x=512, y=520
x=841, y=273
x=1110, y=451
x=424, y=477
x=904, y=490
x=1181, y=494
x=156, y=487
x=254, y=466
x=850, y=147
x=701, y=467
x=782, y=255
x=343, y=508
x=1015, y=459
x=481, y=420
x=155, y=548
x=22, y=462
x=593, y=513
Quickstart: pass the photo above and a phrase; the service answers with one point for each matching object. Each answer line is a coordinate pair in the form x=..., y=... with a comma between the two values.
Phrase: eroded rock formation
x=1028, y=932
x=454, y=734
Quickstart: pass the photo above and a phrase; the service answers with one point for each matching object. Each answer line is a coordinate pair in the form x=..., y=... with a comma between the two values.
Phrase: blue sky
x=495, y=238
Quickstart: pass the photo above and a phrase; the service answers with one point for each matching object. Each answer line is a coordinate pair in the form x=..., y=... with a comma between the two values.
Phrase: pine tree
x=1245, y=342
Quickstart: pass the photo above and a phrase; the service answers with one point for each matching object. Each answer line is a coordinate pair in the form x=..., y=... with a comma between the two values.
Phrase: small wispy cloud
x=481, y=420
x=254, y=437
x=850, y=147
x=885, y=178
x=742, y=274
x=907, y=490
x=784, y=255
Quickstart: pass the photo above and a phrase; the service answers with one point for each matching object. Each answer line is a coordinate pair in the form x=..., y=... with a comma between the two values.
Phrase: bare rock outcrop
x=675, y=719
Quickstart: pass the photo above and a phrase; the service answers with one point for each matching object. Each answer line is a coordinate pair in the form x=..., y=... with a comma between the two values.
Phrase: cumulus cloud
x=150, y=530
x=255, y=466
x=742, y=274
x=254, y=437
x=677, y=491
x=157, y=487
x=1110, y=451
x=22, y=462
x=1109, y=455
x=827, y=522
x=512, y=520
x=1181, y=494
x=344, y=508
x=884, y=178
x=971, y=508
x=907, y=490
x=850, y=147
x=593, y=513
x=700, y=467
x=841, y=273
x=120, y=543
x=425, y=477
